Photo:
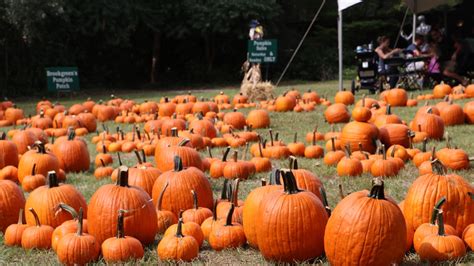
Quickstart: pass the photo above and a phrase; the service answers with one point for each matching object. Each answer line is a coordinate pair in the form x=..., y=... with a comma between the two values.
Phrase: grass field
x=284, y=123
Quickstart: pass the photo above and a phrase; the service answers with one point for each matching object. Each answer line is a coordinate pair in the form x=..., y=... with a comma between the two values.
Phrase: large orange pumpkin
x=11, y=201
x=380, y=227
x=109, y=199
x=355, y=132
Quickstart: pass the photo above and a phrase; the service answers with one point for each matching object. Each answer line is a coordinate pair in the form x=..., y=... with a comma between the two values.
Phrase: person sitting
x=384, y=52
x=415, y=49
x=434, y=67
x=456, y=67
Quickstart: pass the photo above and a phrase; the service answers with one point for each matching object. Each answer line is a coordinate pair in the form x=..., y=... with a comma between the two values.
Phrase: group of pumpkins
x=287, y=219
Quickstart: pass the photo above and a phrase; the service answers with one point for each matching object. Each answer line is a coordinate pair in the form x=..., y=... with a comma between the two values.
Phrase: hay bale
x=259, y=91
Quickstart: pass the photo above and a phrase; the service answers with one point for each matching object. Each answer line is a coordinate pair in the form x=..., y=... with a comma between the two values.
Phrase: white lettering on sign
x=63, y=86
x=61, y=74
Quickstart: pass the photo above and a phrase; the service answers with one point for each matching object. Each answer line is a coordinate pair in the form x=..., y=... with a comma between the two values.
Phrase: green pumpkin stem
x=52, y=179
x=119, y=159
x=40, y=145
x=235, y=192
x=325, y=200
x=160, y=198
x=120, y=224
x=436, y=210
x=438, y=167
x=195, y=199
x=80, y=221
x=271, y=136
x=274, y=178
x=289, y=182
x=224, y=190
x=35, y=215
x=179, y=229
x=377, y=191
x=209, y=151
x=214, y=210
x=226, y=153
x=293, y=163
x=178, y=164
x=441, y=231
x=122, y=179
x=228, y=221
x=184, y=142
x=69, y=209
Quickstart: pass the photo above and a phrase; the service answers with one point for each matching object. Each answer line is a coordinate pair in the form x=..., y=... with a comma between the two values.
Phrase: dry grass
x=286, y=124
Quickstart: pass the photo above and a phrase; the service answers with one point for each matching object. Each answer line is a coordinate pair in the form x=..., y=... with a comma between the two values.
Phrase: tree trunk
x=210, y=50
x=155, y=55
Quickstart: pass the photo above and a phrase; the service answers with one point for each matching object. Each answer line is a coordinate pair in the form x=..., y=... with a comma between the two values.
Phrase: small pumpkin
x=121, y=248
x=196, y=214
x=36, y=236
x=13, y=233
x=178, y=247
x=227, y=235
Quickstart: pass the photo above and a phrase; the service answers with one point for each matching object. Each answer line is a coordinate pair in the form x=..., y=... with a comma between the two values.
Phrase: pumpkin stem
x=295, y=137
x=40, y=145
x=20, y=216
x=209, y=151
x=226, y=153
x=228, y=221
x=64, y=206
x=314, y=137
x=122, y=179
x=433, y=153
x=195, y=199
x=289, y=182
x=274, y=178
x=333, y=144
x=234, y=155
x=143, y=156
x=224, y=190
x=119, y=159
x=384, y=152
x=436, y=210
x=347, y=150
x=35, y=215
x=271, y=136
x=184, y=142
x=438, y=167
x=72, y=134
x=341, y=192
x=441, y=231
x=293, y=163
x=179, y=230
x=325, y=200
x=120, y=224
x=377, y=191
x=80, y=221
x=3, y=136
x=263, y=182
x=178, y=164
x=214, y=210
x=235, y=192
x=389, y=109
x=260, y=146
x=160, y=197
x=52, y=179
x=139, y=159
x=448, y=140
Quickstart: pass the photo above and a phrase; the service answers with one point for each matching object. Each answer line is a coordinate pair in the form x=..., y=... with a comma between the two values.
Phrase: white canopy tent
x=418, y=6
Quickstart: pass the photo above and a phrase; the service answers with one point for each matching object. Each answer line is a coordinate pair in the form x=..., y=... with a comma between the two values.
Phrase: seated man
x=457, y=66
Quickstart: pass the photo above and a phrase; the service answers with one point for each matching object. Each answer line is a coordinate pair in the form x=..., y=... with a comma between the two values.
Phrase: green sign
x=62, y=78
x=262, y=51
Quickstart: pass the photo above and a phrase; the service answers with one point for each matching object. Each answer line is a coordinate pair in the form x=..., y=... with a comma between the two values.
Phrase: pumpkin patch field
x=315, y=175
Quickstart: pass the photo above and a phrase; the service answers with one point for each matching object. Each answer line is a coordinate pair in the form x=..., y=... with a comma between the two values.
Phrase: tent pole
x=414, y=28
x=339, y=46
